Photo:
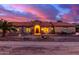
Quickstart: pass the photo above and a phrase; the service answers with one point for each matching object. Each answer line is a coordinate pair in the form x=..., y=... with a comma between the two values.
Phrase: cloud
x=26, y=12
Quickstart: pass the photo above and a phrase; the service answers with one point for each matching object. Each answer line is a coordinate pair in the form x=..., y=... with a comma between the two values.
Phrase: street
x=38, y=48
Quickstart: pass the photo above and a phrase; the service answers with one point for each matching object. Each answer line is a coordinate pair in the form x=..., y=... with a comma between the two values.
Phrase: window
x=28, y=30
x=18, y=29
x=45, y=30
x=0, y=30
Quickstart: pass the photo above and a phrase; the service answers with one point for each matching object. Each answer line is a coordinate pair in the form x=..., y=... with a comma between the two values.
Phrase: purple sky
x=43, y=12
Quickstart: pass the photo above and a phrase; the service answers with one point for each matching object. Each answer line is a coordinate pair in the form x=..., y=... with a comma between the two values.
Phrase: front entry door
x=37, y=30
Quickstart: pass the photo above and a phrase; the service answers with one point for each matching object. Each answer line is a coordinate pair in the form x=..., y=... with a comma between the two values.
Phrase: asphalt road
x=38, y=48
x=22, y=43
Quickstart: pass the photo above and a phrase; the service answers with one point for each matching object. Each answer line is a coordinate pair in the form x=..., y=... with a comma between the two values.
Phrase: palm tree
x=6, y=26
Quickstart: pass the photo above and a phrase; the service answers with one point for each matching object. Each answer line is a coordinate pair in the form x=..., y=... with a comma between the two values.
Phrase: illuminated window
x=51, y=28
x=28, y=30
x=18, y=29
x=45, y=30
x=0, y=30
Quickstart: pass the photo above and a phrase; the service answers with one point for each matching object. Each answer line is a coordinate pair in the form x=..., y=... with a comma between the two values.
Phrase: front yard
x=44, y=38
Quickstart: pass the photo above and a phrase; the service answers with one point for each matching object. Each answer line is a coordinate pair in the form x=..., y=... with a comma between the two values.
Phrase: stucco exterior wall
x=69, y=29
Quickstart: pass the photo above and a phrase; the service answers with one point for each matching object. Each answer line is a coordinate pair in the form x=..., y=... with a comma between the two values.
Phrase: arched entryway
x=37, y=30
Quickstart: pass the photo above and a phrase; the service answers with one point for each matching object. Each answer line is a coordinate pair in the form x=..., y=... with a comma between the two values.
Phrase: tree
x=6, y=26
x=77, y=28
x=53, y=28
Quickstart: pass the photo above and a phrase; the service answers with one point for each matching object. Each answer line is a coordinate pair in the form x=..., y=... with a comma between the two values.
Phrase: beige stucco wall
x=60, y=29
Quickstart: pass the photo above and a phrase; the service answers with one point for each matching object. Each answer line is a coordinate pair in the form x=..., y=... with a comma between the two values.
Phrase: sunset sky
x=43, y=12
